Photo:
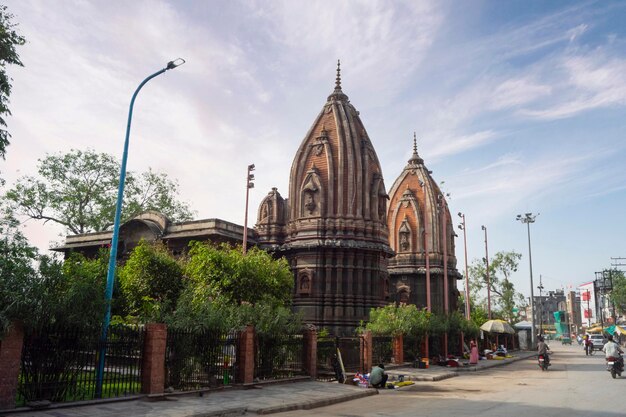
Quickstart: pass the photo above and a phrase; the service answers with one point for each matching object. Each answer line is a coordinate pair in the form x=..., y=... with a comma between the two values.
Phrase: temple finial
x=338, y=79
x=415, y=158
x=337, y=94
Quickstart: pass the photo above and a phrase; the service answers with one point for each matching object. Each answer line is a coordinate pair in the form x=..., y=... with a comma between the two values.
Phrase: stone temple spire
x=415, y=158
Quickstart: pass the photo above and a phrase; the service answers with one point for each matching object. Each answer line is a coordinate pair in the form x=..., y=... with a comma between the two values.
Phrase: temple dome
x=336, y=178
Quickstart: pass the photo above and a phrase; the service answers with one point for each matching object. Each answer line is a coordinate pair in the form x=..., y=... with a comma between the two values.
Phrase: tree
x=223, y=274
x=9, y=39
x=504, y=295
x=78, y=190
x=618, y=293
x=151, y=281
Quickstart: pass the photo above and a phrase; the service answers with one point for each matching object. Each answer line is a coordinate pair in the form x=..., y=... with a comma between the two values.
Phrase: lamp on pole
x=467, y=291
x=529, y=218
x=249, y=184
x=108, y=295
x=487, y=272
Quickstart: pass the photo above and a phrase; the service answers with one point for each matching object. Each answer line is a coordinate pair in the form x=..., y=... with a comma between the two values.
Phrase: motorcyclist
x=612, y=349
x=543, y=349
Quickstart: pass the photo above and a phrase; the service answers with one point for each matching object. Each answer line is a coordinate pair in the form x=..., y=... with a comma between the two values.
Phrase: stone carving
x=404, y=235
x=311, y=194
x=304, y=281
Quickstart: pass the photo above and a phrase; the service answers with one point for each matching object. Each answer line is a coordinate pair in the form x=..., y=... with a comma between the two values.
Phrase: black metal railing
x=412, y=346
x=278, y=356
x=59, y=364
x=382, y=349
x=196, y=359
x=351, y=352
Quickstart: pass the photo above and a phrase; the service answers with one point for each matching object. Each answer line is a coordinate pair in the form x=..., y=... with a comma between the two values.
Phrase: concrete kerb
x=308, y=405
x=486, y=364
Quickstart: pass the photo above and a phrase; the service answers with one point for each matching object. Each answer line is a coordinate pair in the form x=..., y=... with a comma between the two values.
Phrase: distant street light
x=116, y=229
x=249, y=184
x=487, y=272
x=529, y=218
x=467, y=290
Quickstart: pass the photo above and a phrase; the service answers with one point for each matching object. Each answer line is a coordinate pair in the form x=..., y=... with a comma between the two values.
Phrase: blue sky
x=518, y=105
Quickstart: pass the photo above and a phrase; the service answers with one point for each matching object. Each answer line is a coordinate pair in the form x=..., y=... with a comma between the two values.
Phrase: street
x=575, y=385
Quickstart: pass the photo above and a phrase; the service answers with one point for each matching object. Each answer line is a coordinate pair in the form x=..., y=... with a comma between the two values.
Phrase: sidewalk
x=437, y=373
x=258, y=399
x=255, y=399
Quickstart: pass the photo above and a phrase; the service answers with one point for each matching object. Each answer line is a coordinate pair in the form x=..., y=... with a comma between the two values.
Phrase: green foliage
x=151, y=281
x=403, y=319
x=225, y=275
x=503, y=293
x=618, y=294
x=17, y=272
x=9, y=39
x=79, y=191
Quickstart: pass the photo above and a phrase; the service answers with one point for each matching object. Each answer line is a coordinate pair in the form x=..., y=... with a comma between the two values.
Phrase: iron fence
x=59, y=364
x=382, y=349
x=197, y=359
x=351, y=349
x=412, y=346
x=278, y=356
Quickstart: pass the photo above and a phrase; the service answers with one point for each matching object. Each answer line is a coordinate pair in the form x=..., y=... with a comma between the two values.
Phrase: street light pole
x=249, y=184
x=529, y=218
x=540, y=288
x=108, y=295
x=467, y=290
x=487, y=272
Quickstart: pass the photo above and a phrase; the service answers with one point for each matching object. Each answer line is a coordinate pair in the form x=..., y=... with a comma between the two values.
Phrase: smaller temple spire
x=415, y=158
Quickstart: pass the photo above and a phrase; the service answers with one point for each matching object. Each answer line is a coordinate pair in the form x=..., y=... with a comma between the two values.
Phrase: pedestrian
x=378, y=377
x=473, y=353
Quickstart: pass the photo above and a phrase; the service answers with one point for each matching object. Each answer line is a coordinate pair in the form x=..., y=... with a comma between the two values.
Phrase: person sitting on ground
x=378, y=377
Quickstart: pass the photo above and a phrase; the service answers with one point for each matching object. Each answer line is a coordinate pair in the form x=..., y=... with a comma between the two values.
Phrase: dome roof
x=336, y=178
x=416, y=204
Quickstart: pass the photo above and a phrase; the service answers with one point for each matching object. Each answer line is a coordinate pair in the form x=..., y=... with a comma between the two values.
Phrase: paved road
x=574, y=386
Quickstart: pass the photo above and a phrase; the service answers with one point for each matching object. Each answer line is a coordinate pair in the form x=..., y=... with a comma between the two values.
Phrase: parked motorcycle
x=543, y=362
x=615, y=366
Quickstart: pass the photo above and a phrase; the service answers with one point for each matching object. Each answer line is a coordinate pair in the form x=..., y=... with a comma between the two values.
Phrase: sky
x=518, y=106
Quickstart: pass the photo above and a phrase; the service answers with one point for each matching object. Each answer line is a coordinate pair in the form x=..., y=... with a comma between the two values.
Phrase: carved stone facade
x=334, y=232
x=420, y=225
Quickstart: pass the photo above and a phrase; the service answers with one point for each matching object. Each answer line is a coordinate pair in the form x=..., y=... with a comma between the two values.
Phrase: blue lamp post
x=108, y=295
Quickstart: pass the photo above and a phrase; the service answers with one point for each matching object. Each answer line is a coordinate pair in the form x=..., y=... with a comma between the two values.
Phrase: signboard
x=587, y=304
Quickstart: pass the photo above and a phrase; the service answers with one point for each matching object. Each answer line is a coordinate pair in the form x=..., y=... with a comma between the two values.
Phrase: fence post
x=153, y=366
x=310, y=351
x=245, y=355
x=10, y=360
x=398, y=349
x=366, y=352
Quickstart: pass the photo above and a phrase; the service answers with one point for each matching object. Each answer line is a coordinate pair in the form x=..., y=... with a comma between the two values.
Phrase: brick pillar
x=10, y=359
x=245, y=356
x=153, y=367
x=398, y=349
x=310, y=352
x=366, y=351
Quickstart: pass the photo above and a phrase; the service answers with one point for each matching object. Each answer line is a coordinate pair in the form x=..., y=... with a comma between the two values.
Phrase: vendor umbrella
x=497, y=326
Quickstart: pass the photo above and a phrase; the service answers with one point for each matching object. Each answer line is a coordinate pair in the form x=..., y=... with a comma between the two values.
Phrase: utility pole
x=487, y=274
x=529, y=218
x=249, y=184
x=462, y=226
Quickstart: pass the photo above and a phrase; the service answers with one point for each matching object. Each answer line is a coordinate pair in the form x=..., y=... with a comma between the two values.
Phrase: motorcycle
x=615, y=366
x=543, y=362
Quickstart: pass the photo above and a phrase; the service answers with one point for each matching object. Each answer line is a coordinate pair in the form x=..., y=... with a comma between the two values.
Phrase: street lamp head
x=251, y=167
x=519, y=217
x=483, y=227
x=460, y=214
x=175, y=63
